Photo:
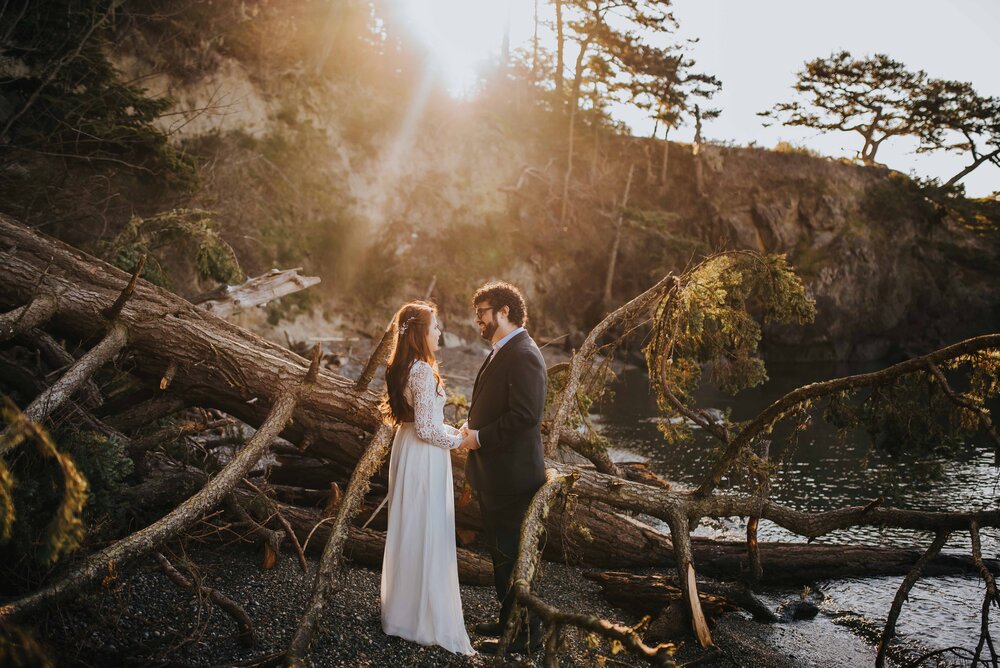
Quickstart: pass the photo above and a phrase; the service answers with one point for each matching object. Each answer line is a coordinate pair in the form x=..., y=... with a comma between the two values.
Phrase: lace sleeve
x=423, y=386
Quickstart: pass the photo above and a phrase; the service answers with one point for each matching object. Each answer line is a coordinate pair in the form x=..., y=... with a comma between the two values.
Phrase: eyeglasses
x=480, y=312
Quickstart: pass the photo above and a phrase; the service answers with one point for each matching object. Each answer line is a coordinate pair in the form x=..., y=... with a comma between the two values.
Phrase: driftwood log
x=216, y=364
x=184, y=356
x=171, y=482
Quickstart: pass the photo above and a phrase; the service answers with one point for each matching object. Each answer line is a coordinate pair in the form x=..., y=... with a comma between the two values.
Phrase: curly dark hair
x=499, y=294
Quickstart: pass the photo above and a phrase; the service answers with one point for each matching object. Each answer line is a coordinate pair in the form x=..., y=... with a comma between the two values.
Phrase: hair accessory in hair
x=405, y=325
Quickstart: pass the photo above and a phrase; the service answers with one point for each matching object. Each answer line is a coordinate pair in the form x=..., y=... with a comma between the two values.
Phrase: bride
x=420, y=596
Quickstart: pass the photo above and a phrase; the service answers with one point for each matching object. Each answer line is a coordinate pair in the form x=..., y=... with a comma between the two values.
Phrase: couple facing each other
x=420, y=597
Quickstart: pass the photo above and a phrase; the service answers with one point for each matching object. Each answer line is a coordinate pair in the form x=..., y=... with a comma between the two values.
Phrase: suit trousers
x=502, y=517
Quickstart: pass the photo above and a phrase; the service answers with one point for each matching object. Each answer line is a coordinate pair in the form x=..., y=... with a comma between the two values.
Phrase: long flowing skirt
x=420, y=596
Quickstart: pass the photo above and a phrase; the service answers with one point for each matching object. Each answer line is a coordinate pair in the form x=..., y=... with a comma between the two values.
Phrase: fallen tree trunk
x=216, y=364
x=650, y=594
x=796, y=564
x=172, y=482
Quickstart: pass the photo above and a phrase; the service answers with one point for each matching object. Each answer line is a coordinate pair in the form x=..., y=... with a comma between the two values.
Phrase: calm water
x=821, y=473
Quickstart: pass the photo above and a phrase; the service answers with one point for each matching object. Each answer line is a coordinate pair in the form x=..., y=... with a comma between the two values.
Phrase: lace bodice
x=428, y=402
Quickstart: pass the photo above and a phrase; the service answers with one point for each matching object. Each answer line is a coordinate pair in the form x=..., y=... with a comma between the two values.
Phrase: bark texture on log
x=795, y=564
x=170, y=483
x=650, y=594
x=173, y=524
x=220, y=365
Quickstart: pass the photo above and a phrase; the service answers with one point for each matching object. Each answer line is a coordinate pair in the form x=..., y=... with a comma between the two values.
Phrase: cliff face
x=384, y=193
x=891, y=271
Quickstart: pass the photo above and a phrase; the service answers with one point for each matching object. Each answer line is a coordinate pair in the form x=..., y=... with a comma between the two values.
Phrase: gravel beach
x=144, y=619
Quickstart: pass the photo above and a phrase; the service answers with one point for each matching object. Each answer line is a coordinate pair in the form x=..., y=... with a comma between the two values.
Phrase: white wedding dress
x=420, y=596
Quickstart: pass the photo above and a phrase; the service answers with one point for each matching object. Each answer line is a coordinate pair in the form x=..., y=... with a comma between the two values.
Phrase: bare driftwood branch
x=554, y=618
x=772, y=413
x=112, y=313
x=529, y=553
x=903, y=592
x=175, y=522
x=377, y=358
x=327, y=578
x=77, y=375
x=275, y=284
x=59, y=358
x=990, y=598
x=25, y=318
x=228, y=605
x=582, y=358
x=270, y=539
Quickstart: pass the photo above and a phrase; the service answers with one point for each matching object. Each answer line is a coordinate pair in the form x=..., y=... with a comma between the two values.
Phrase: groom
x=506, y=464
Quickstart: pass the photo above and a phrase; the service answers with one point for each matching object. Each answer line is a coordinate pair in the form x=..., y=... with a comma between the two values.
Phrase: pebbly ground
x=143, y=619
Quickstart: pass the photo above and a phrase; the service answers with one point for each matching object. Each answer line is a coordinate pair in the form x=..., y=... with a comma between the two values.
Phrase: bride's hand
x=469, y=440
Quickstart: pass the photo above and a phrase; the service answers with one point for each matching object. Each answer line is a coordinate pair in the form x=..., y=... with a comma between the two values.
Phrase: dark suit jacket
x=508, y=401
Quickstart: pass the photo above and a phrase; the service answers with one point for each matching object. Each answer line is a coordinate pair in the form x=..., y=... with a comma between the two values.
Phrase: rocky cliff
x=366, y=173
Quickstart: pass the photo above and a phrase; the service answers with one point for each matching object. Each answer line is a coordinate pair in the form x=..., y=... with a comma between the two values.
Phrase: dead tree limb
x=661, y=655
x=650, y=594
x=170, y=482
x=377, y=358
x=179, y=519
x=680, y=532
x=172, y=433
x=77, y=375
x=903, y=592
x=774, y=412
x=269, y=538
x=111, y=314
x=554, y=618
x=329, y=567
x=274, y=509
x=755, y=570
x=582, y=358
x=228, y=605
x=277, y=283
x=24, y=318
x=990, y=598
x=529, y=552
x=59, y=358
x=147, y=412
x=219, y=364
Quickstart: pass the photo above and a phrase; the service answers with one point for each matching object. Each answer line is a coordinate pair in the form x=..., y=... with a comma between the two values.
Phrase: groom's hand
x=469, y=440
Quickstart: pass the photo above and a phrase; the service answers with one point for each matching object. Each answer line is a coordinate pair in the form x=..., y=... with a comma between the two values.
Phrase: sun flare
x=461, y=36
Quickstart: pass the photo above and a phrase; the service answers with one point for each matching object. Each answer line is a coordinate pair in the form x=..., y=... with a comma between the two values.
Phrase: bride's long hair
x=413, y=322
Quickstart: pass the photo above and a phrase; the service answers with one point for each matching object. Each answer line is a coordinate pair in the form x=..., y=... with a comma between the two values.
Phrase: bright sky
x=755, y=48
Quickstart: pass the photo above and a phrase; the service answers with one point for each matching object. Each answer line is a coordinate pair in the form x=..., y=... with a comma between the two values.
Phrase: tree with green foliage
x=665, y=85
x=618, y=48
x=873, y=96
x=879, y=98
x=79, y=145
x=961, y=120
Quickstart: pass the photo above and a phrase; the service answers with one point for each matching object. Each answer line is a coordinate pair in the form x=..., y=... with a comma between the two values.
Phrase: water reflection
x=823, y=472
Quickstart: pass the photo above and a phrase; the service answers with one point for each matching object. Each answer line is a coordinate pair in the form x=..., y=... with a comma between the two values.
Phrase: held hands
x=469, y=439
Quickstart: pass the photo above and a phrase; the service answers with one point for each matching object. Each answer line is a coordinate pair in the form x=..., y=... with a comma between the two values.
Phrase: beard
x=488, y=330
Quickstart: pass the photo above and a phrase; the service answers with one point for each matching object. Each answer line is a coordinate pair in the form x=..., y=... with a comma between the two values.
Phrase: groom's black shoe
x=488, y=628
x=519, y=646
